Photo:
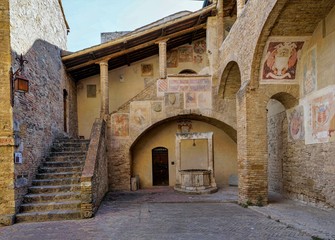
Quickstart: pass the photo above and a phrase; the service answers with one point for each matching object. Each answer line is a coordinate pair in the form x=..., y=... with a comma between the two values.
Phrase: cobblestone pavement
x=163, y=214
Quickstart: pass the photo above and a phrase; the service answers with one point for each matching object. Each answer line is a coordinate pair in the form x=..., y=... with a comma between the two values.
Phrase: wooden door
x=160, y=167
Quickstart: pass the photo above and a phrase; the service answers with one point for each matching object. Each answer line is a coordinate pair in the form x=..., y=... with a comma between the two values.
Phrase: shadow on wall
x=39, y=113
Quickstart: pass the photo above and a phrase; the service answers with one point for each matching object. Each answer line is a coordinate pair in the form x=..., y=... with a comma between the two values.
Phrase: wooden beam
x=135, y=48
x=139, y=33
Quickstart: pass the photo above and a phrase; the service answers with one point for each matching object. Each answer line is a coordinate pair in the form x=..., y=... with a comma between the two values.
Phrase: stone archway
x=164, y=134
x=278, y=136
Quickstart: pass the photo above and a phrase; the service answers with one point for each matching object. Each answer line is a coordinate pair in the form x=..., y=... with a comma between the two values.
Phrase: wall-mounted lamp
x=21, y=84
x=18, y=82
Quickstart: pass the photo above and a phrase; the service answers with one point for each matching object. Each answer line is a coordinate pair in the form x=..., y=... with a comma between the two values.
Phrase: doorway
x=65, y=94
x=160, y=166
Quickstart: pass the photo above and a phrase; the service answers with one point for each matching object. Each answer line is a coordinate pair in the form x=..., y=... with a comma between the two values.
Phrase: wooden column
x=104, y=88
x=162, y=59
x=240, y=5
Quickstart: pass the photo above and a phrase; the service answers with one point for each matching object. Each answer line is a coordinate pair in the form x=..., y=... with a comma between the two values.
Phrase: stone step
x=54, y=189
x=51, y=197
x=59, y=169
x=68, y=149
x=65, y=158
x=71, y=153
x=71, y=141
x=56, y=181
x=48, y=216
x=73, y=163
x=58, y=175
x=49, y=206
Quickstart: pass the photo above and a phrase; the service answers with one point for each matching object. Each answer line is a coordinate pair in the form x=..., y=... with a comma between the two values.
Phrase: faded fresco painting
x=321, y=125
x=190, y=100
x=204, y=100
x=197, y=59
x=295, y=117
x=157, y=111
x=310, y=72
x=281, y=59
x=199, y=47
x=172, y=59
x=120, y=125
x=147, y=70
x=185, y=54
x=189, y=84
x=140, y=114
x=172, y=100
x=162, y=87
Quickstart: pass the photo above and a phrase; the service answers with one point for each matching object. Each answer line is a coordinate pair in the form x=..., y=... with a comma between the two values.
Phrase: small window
x=91, y=91
x=188, y=71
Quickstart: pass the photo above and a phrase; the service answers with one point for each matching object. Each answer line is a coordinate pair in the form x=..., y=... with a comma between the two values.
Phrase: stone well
x=195, y=181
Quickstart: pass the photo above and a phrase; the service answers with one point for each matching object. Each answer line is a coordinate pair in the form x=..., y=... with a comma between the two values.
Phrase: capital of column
x=103, y=63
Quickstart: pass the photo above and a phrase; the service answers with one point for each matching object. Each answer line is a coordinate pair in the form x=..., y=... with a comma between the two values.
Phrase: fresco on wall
x=162, y=87
x=147, y=70
x=310, y=74
x=204, y=100
x=198, y=59
x=321, y=123
x=190, y=100
x=189, y=84
x=120, y=125
x=140, y=114
x=185, y=54
x=157, y=111
x=172, y=59
x=172, y=100
x=281, y=59
x=199, y=47
x=295, y=117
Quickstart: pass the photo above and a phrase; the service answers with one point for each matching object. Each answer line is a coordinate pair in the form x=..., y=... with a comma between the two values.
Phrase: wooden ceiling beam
x=138, y=33
x=135, y=48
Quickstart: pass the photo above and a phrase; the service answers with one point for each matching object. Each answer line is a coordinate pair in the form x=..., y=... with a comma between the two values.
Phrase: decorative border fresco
x=309, y=83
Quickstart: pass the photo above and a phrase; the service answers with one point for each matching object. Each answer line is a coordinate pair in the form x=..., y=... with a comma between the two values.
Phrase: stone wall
x=39, y=33
x=7, y=194
x=94, y=181
x=276, y=135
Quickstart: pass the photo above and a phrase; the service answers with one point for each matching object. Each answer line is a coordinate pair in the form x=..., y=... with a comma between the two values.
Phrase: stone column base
x=7, y=220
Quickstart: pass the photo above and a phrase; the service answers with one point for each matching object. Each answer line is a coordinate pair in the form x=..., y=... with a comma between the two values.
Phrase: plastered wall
x=225, y=152
x=126, y=82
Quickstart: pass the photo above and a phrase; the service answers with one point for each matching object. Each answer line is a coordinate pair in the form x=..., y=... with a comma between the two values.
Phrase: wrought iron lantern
x=20, y=83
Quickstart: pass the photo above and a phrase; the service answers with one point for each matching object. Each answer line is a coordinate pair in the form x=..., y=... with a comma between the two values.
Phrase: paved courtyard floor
x=161, y=213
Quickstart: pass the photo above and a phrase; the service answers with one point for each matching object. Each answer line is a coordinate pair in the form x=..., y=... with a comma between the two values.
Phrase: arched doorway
x=160, y=166
x=164, y=135
x=65, y=94
x=278, y=166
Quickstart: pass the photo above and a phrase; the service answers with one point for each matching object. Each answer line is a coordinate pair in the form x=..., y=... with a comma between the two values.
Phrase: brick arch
x=282, y=21
x=230, y=81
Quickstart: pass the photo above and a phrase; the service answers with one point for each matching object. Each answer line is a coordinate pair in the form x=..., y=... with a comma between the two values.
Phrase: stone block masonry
x=7, y=194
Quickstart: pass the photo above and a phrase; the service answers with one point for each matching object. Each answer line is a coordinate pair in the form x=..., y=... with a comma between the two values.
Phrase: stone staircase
x=55, y=193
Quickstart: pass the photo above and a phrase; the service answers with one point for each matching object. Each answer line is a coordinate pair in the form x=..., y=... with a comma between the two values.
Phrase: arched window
x=187, y=71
